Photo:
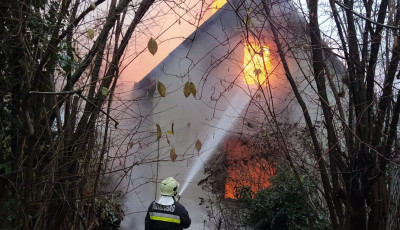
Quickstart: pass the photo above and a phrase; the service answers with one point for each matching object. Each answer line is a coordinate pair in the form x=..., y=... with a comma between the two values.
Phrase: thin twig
x=56, y=93
x=94, y=105
x=362, y=16
x=79, y=93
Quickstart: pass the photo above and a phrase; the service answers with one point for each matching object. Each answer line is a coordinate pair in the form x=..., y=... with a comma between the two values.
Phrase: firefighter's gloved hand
x=177, y=198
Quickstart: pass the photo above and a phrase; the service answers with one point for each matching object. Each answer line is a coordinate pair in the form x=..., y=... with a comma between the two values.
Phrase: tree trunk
x=378, y=204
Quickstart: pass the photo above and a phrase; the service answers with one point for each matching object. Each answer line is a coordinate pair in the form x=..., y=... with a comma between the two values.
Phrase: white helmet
x=169, y=187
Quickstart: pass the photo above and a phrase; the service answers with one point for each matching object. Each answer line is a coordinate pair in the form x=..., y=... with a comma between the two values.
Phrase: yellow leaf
x=172, y=154
x=158, y=131
x=152, y=46
x=90, y=33
x=192, y=88
x=161, y=88
x=198, y=145
x=186, y=89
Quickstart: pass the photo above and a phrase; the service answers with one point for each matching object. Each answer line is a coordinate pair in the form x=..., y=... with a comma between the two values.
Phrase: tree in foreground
x=349, y=142
x=59, y=66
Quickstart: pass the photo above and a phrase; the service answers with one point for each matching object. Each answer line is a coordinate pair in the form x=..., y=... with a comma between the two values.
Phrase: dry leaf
x=257, y=72
x=130, y=145
x=158, y=131
x=172, y=129
x=306, y=47
x=172, y=154
x=198, y=145
x=186, y=89
x=192, y=88
x=152, y=46
x=167, y=139
x=161, y=88
x=342, y=93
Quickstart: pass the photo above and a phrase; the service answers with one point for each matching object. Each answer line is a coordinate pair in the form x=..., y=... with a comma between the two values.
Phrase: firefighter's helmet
x=169, y=187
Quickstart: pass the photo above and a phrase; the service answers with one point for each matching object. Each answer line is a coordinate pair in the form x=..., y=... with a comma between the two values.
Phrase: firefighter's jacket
x=166, y=217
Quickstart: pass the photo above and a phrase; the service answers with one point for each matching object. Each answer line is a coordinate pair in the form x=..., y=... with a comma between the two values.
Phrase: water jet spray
x=224, y=125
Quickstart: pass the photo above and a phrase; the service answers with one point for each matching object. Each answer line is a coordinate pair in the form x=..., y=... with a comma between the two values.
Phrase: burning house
x=220, y=88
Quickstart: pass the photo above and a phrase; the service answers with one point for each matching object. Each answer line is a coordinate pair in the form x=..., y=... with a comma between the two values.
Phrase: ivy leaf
x=152, y=46
x=158, y=131
x=90, y=33
x=161, y=88
x=104, y=91
x=198, y=145
x=172, y=154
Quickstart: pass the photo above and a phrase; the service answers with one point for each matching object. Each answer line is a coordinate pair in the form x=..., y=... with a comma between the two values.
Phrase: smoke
x=224, y=125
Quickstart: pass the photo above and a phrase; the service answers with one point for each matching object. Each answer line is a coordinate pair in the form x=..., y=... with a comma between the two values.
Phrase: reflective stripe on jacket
x=166, y=217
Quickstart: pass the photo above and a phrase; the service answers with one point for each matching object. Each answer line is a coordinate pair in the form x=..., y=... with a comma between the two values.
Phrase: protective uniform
x=166, y=213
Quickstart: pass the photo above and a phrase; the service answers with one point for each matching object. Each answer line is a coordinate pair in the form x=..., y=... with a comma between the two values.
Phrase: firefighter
x=167, y=213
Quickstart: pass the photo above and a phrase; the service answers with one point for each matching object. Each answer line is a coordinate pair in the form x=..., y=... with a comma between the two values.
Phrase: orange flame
x=245, y=170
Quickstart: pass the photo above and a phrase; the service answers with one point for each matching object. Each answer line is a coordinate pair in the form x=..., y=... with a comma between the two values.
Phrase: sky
x=169, y=25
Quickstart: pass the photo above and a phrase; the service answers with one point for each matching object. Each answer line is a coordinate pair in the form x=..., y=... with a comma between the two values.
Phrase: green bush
x=283, y=205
